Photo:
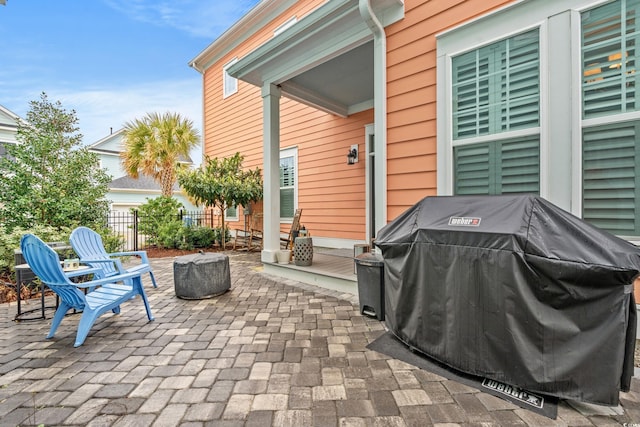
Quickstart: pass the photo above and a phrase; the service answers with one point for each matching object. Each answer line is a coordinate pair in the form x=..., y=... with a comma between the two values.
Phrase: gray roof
x=143, y=182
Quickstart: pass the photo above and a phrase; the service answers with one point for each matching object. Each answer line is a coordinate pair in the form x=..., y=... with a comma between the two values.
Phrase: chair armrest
x=141, y=254
x=116, y=261
x=112, y=279
x=82, y=271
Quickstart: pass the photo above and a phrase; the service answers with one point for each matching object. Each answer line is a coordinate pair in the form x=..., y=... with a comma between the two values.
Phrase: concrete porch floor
x=332, y=269
x=270, y=352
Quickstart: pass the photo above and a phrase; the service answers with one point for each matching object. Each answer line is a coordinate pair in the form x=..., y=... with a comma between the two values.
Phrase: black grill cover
x=515, y=289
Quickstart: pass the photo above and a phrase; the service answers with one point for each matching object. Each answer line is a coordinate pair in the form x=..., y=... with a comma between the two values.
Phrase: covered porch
x=334, y=60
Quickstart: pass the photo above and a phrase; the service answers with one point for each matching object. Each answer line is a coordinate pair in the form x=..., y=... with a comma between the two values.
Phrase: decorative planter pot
x=303, y=251
x=284, y=256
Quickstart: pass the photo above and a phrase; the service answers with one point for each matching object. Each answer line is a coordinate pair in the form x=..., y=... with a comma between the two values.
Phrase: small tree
x=49, y=177
x=153, y=145
x=222, y=183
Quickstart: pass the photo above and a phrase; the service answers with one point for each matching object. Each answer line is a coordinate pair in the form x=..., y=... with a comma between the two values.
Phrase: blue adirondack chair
x=88, y=245
x=104, y=294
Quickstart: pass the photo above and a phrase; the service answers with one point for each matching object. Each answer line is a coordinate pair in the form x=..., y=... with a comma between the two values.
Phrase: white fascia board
x=362, y=106
x=311, y=24
x=9, y=113
x=103, y=152
x=305, y=56
x=106, y=139
x=329, y=31
x=262, y=14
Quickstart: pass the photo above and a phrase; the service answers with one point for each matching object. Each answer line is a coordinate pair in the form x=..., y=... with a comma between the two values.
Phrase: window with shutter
x=287, y=184
x=496, y=91
x=501, y=105
x=609, y=38
x=500, y=167
x=611, y=175
x=496, y=87
x=610, y=147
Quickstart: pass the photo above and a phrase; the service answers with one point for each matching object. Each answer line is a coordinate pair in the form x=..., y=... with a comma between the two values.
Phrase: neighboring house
x=438, y=98
x=126, y=192
x=8, y=129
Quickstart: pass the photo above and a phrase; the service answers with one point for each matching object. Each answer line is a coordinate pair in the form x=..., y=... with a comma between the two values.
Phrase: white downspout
x=380, y=109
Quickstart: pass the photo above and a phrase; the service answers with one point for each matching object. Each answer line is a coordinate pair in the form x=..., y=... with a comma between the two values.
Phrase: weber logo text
x=464, y=221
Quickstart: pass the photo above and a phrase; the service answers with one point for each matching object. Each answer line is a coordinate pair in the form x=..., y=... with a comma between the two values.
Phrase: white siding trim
x=576, y=117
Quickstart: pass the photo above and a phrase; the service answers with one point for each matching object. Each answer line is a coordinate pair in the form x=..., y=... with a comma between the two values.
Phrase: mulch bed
x=170, y=253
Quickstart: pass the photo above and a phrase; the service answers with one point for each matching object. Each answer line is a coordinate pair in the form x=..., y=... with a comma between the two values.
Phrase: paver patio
x=268, y=352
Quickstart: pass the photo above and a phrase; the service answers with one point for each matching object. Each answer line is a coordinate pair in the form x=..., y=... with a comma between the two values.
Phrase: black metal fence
x=125, y=225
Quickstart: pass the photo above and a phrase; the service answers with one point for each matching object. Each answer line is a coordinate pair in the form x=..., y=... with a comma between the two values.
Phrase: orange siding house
x=437, y=97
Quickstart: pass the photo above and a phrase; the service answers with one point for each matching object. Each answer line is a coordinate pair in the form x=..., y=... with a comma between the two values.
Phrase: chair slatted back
x=295, y=224
x=88, y=245
x=45, y=263
x=256, y=221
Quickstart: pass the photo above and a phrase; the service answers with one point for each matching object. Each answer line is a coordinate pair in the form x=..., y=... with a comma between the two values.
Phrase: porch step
x=327, y=271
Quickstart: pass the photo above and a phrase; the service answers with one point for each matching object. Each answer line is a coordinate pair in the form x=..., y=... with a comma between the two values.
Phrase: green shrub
x=157, y=217
x=9, y=242
x=112, y=242
x=170, y=235
x=203, y=237
x=218, y=234
x=175, y=235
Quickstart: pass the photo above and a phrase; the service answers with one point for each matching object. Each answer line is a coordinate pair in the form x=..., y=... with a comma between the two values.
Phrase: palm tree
x=154, y=144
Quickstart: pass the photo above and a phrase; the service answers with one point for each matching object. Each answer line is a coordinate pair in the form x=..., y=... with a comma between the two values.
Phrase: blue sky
x=110, y=60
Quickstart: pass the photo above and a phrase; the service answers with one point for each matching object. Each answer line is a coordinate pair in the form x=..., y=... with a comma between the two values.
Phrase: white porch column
x=271, y=171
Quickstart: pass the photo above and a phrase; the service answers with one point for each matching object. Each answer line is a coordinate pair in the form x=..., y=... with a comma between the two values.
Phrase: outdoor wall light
x=352, y=156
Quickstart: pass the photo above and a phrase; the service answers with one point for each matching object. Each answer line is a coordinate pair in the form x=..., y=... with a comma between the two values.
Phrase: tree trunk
x=222, y=232
x=167, y=180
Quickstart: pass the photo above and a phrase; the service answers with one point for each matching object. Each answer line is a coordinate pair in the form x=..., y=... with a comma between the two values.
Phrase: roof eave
x=263, y=13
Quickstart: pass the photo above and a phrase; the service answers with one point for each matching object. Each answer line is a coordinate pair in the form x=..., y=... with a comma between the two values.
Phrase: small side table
x=21, y=271
x=303, y=251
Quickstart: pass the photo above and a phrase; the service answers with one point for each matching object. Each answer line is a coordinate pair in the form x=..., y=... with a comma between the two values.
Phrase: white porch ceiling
x=325, y=60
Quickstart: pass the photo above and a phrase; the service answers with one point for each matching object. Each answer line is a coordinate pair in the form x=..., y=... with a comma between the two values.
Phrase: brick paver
x=268, y=352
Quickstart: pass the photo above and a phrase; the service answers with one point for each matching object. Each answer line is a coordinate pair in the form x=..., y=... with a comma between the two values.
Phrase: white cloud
x=198, y=18
x=104, y=109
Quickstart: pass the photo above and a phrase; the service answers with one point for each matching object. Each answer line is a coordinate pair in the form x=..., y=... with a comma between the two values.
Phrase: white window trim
x=231, y=218
x=495, y=137
x=227, y=92
x=579, y=123
x=284, y=153
x=561, y=122
x=446, y=142
x=498, y=25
